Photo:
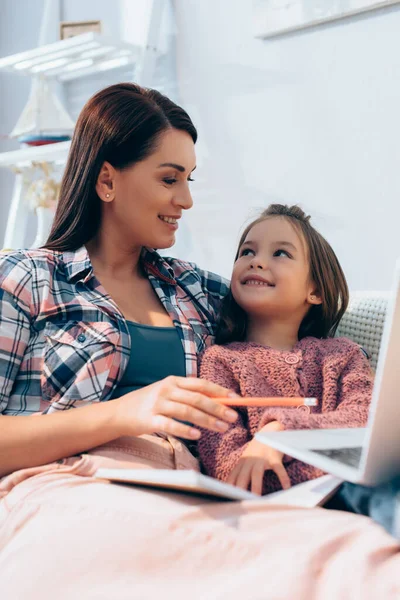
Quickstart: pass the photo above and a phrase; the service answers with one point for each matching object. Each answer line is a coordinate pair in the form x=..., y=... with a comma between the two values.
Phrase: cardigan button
x=292, y=359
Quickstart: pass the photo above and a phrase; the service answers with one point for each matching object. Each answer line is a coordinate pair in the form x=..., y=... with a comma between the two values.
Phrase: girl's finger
x=243, y=478
x=282, y=475
x=202, y=403
x=257, y=476
x=172, y=427
x=233, y=474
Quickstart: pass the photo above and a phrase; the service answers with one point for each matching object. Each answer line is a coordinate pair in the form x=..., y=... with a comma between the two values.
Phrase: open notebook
x=308, y=494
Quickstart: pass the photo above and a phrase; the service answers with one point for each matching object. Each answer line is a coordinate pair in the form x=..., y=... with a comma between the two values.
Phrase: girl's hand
x=156, y=408
x=255, y=460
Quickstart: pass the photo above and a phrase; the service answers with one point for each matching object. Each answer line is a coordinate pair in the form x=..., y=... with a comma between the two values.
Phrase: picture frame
x=71, y=28
x=273, y=18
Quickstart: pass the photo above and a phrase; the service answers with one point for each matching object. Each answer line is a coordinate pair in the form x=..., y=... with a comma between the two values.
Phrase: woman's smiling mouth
x=172, y=222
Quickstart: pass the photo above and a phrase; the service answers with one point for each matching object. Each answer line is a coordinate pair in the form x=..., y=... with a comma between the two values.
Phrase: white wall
x=310, y=118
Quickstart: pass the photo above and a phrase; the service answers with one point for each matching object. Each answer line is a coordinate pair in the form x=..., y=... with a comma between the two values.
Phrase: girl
x=275, y=338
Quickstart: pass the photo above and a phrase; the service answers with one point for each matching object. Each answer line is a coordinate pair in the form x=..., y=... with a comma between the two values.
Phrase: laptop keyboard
x=348, y=456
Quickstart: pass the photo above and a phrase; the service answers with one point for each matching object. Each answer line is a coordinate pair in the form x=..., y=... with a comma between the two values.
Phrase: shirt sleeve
x=214, y=285
x=353, y=400
x=15, y=321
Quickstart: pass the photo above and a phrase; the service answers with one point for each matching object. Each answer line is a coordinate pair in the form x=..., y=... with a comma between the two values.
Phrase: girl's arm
x=354, y=396
x=219, y=452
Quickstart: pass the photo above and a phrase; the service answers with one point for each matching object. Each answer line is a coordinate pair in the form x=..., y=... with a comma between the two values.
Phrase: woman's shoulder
x=21, y=269
x=26, y=260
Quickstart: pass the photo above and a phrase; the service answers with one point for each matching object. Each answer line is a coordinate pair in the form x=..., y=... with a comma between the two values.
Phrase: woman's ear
x=105, y=185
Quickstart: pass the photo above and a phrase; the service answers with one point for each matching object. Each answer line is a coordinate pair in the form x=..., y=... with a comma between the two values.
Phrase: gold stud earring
x=312, y=297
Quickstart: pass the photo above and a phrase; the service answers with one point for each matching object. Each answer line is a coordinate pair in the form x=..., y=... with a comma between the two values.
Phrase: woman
x=79, y=322
x=79, y=316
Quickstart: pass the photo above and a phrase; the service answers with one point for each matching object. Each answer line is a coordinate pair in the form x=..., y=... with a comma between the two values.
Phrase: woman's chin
x=164, y=244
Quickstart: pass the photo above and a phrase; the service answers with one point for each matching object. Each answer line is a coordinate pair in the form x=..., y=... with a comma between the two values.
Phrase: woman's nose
x=184, y=199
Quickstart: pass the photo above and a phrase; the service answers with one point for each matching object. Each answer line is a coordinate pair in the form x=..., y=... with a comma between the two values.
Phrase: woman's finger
x=257, y=476
x=185, y=412
x=282, y=475
x=203, y=386
x=202, y=404
x=172, y=427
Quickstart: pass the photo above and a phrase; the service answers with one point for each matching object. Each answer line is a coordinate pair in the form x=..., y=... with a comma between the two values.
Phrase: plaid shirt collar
x=79, y=267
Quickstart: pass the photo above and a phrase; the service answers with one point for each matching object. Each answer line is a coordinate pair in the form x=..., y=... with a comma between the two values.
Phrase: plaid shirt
x=64, y=342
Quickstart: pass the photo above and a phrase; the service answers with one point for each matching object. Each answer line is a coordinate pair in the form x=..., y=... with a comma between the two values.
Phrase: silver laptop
x=362, y=455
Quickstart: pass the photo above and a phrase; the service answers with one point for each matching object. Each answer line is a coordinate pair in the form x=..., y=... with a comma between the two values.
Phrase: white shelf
x=54, y=153
x=74, y=57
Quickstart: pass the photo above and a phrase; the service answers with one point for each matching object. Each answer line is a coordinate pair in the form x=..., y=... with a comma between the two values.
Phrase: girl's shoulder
x=232, y=350
x=331, y=346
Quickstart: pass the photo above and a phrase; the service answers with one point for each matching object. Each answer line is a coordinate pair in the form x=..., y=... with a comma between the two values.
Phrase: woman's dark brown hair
x=120, y=124
x=322, y=320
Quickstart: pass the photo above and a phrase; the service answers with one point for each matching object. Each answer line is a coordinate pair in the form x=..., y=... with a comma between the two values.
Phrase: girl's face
x=271, y=277
x=146, y=201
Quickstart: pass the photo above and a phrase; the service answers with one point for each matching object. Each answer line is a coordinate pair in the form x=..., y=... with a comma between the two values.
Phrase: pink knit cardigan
x=333, y=370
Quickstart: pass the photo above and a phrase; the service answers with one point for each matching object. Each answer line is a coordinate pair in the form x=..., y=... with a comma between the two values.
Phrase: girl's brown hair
x=120, y=124
x=321, y=320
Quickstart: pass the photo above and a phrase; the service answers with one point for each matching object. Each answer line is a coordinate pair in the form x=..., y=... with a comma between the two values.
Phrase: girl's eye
x=281, y=252
x=190, y=179
x=246, y=252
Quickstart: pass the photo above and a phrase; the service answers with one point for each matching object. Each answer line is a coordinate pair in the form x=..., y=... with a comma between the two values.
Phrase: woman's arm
x=31, y=441
x=354, y=397
x=39, y=439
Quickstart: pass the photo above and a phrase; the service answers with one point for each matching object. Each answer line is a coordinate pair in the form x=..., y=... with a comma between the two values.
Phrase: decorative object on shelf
x=42, y=140
x=277, y=17
x=42, y=195
x=69, y=29
x=77, y=56
x=43, y=115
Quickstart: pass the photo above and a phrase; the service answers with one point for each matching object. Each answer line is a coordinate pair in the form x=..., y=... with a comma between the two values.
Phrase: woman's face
x=147, y=200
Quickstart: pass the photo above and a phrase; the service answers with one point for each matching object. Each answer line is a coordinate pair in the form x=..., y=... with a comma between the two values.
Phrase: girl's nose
x=258, y=263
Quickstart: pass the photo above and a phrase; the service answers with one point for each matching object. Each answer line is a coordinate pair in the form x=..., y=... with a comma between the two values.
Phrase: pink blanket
x=65, y=535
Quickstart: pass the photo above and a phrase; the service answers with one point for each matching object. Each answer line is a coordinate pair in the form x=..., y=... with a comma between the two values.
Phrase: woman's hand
x=156, y=408
x=255, y=460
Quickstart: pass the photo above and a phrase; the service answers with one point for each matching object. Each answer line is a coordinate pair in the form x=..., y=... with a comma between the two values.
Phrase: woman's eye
x=169, y=180
x=190, y=179
x=247, y=252
x=281, y=252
